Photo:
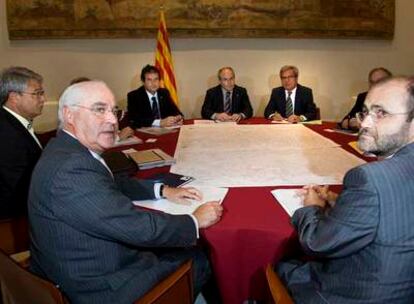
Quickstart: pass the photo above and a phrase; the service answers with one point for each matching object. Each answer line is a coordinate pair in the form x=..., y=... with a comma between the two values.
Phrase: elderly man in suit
x=21, y=99
x=86, y=236
x=363, y=240
x=292, y=101
x=227, y=101
x=150, y=105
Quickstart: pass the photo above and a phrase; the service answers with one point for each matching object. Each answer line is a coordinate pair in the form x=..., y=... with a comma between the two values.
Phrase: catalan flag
x=163, y=60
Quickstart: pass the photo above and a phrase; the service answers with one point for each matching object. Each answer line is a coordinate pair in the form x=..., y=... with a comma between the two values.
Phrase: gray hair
x=15, y=79
x=75, y=94
x=287, y=68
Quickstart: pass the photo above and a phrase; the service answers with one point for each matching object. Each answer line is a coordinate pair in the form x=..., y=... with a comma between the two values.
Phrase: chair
x=19, y=286
x=176, y=288
x=14, y=235
x=279, y=293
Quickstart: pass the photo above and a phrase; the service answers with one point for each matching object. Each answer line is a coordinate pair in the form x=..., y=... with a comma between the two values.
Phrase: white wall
x=335, y=69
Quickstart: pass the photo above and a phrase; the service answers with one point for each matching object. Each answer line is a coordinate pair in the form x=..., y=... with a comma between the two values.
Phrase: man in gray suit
x=363, y=240
x=86, y=235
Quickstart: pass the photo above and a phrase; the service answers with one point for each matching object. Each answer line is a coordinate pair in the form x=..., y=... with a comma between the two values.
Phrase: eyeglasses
x=288, y=77
x=100, y=110
x=376, y=114
x=38, y=94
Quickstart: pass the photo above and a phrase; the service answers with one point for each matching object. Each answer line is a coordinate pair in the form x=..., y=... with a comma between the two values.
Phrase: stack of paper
x=151, y=158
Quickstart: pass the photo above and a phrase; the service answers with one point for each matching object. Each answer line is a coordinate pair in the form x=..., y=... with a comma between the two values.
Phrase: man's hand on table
x=171, y=121
x=315, y=195
x=208, y=214
x=125, y=133
x=223, y=117
x=181, y=195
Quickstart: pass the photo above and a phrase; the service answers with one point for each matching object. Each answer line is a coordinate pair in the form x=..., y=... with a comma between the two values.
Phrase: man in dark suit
x=227, y=101
x=350, y=121
x=150, y=105
x=363, y=240
x=86, y=236
x=21, y=100
x=291, y=101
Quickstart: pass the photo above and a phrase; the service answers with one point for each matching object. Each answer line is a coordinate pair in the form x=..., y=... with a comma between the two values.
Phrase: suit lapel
x=23, y=131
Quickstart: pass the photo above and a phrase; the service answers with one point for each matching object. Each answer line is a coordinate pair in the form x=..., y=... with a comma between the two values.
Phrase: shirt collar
x=26, y=123
x=293, y=91
x=150, y=95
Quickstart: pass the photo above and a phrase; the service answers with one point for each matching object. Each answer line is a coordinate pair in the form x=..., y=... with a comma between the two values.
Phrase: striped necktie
x=155, y=110
x=289, y=105
x=227, y=102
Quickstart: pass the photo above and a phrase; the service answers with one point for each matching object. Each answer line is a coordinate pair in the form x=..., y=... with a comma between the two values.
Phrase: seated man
x=150, y=105
x=291, y=101
x=363, y=244
x=21, y=98
x=227, y=101
x=86, y=236
x=349, y=121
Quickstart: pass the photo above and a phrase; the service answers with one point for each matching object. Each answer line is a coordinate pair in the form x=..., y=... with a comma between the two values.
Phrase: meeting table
x=254, y=229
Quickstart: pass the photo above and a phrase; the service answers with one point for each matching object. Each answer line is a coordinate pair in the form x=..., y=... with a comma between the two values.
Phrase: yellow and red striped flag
x=163, y=60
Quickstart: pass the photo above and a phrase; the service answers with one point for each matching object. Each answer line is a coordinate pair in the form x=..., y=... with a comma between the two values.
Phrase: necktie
x=155, y=110
x=30, y=125
x=227, y=102
x=289, y=105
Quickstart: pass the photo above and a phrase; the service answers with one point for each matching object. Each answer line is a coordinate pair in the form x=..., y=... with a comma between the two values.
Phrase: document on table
x=209, y=194
x=289, y=199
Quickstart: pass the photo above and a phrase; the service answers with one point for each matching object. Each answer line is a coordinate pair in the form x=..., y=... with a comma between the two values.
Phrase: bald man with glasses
x=362, y=241
x=21, y=100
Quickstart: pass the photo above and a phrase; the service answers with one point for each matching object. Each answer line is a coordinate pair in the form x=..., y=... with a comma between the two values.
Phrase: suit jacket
x=87, y=237
x=359, y=103
x=304, y=104
x=18, y=155
x=140, y=110
x=366, y=242
x=213, y=102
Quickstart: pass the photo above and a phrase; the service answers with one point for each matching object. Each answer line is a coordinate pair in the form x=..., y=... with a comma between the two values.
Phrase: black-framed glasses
x=376, y=114
x=38, y=94
x=100, y=110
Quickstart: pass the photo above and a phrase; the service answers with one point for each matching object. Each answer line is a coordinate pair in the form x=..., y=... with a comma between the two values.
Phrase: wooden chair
x=19, y=286
x=176, y=288
x=14, y=235
x=279, y=293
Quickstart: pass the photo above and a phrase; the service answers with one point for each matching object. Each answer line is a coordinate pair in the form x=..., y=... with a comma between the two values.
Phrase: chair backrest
x=176, y=288
x=14, y=235
x=19, y=286
x=280, y=294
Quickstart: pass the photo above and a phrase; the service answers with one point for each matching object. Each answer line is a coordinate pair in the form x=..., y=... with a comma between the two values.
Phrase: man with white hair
x=363, y=240
x=86, y=236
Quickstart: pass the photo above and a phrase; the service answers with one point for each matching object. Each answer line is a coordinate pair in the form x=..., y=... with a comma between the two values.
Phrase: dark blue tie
x=155, y=110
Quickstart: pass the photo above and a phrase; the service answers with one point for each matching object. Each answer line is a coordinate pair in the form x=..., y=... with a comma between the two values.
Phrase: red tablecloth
x=254, y=229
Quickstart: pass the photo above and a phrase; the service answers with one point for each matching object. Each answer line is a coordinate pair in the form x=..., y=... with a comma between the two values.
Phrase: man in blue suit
x=363, y=240
x=292, y=101
x=227, y=101
x=86, y=235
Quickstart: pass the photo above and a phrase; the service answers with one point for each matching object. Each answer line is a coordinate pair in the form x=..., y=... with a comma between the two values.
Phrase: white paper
x=209, y=194
x=224, y=155
x=289, y=199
